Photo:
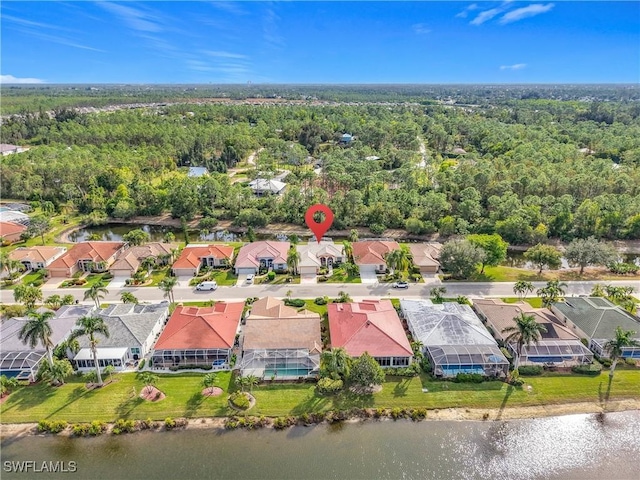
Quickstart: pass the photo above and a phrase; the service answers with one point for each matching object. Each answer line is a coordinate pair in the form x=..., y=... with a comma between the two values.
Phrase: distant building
x=346, y=139
x=426, y=256
x=264, y=254
x=314, y=256
x=13, y=216
x=194, y=257
x=262, y=186
x=369, y=255
x=35, y=258
x=86, y=257
x=10, y=232
x=7, y=149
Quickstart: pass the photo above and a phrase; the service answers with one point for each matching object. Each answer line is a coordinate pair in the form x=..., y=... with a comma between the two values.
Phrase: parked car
x=207, y=286
x=250, y=278
x=401, y=284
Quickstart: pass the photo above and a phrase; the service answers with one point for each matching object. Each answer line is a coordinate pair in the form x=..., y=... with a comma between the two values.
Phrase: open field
x=74, y=403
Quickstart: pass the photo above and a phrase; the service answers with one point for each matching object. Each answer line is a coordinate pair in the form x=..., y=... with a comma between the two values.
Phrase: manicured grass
x=339, y=275
x=535, y=302
x=94, y=278
x=225, y=277
x=157, y=276
x=31, y=277
x=512, y=274
x=72, y=402
x=281, y=279
x=311, y=306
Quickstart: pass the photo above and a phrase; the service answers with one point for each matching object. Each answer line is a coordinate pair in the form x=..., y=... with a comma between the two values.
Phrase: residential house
x=558, y=346
x=18, y=359
x=194, y=257
x=7, y=149
x=370, y=255
x=454, y=339
x=199, y=336
x=10, y=232
x=131, y=260
x=346, y=139
x=86, y=257
x=426, y=256
x=280, y=342
x=596, y=319
x=35, y=258
x=314, y=256
x=262, y=186
x=133, y=328
x=262, y=255
x=370, y=326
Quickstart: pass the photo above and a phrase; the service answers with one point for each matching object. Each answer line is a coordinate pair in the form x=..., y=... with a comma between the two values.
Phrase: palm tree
x=96, y=292
x=90, y=326
x=624, y=338
x=550, y=294
x=251, y=381
x=108, y=370
x=128, y=297
x=166, y=285
x=293, y=259
x=241, y=382
x=525, y=332
x=343, y=297
x=148, y=263
x=437, y=294
x=336, y=362
x=38, y=329
x=149, y=379
x=28, y=295
x=56, y=373
x=348, y=251
x=54, y=302
x=398, y=260
x=72, y=344
x=68, y=300
x=209, y=381
x=522, y=287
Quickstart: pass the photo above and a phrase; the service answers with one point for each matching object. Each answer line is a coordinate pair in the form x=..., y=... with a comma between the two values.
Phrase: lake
x=568, y=447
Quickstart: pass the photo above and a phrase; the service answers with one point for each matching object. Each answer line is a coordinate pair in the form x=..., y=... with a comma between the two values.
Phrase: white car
x=401, y=284
x=207, y=286
x=250, y=278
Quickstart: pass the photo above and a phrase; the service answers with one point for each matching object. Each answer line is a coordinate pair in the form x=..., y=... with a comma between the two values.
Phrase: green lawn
x=535, y=302
x=512, y=274
x=311, y=306
x=225, y=277
x=339, y=275
x=72, y=402
x=157, y=276
x=281, y=279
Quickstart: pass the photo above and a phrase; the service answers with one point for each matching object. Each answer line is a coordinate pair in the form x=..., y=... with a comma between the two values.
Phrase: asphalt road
x=355, y=290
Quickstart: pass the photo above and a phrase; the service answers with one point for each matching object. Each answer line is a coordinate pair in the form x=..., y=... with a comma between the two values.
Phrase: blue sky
x=320, y=42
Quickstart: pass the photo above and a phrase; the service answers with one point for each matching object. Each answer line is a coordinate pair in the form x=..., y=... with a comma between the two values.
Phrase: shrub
x=281, y=423
x=425, y=365
x=81, y=429
x=397, y=412
x=169, y=423
x=189, y=366
x=146, y=424
x=329, y=385
x=271, y=275
x=418, y=414
x=321, y=300
x=123, y=426
x=323, y=278
x=97, y=427
x=469, y=378
x=240, y=400
x=630, y=361
x=593, y=369
x=52, y=426
x=294, y=302
x=516, y=382
x=506, y=353
x=623, y=268
x=530, y=370
x=141, y=364
x=415, y=277
x=377, y=228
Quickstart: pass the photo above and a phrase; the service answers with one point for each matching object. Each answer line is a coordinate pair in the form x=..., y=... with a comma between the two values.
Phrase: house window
x=401, y=361
x=135, y=351
x=383, y=361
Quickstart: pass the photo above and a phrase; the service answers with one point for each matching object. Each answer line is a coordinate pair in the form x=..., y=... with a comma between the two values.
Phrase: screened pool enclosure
x=284, y=364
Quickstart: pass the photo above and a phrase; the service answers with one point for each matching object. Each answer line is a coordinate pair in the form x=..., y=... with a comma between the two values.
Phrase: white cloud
x=221, y=54
x=525, y=12
x=515, y=66
x=465, y=12
x=12, y=79
x=134, y=18
x=421, y=28
x=486, y=16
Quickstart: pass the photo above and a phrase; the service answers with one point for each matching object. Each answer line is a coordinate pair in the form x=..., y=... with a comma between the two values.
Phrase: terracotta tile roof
x=10, y=228
x=372, y=252
x=425, y=254
x=191, y=256
x=134, y=255
x=272, y=325
x=201, y=327
x=249, y=254
x=96, y=251
x=36, y=254
x=369, y=326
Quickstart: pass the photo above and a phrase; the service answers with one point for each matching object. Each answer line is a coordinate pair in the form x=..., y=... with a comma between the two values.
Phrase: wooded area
x=525, y=162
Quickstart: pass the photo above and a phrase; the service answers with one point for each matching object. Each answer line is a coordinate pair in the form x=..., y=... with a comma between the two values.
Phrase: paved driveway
x=118, y=282
x=368, y=277
x=308, y=278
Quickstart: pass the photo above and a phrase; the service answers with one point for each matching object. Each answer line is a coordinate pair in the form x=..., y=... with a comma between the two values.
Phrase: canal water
x=568, y=447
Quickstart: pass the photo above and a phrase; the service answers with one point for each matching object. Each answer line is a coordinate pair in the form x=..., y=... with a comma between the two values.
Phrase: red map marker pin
x=319, y=229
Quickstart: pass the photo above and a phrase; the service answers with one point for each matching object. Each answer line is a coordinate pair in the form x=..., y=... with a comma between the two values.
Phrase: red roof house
x=199, y=336
x=86, y=257
x=370, y=255
x=371, y=326
x=193, y=257
x=10, y=232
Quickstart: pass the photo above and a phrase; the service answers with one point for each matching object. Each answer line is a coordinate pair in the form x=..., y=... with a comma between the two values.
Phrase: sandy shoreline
x=450, y=414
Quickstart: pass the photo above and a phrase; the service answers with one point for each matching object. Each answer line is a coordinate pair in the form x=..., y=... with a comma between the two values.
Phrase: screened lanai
x=454, y=339
x=284, y=364
x=22, y=365
x=556, y=352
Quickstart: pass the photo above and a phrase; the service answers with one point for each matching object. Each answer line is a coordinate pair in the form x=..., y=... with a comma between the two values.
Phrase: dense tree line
x=527, y=169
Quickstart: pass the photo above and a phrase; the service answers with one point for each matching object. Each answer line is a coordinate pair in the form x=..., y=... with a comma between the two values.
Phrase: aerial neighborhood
x=404, y=261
